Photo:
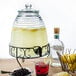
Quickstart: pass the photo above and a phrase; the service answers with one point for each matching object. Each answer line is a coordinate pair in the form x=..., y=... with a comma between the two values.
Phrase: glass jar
x=29, y=36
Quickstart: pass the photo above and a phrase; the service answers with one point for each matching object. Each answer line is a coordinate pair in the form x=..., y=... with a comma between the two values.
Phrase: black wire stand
x=25, y=53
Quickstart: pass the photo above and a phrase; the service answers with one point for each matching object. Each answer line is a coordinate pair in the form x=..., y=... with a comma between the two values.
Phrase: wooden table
x=11, y=64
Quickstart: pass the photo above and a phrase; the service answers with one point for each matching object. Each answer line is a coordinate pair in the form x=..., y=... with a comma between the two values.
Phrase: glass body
x=28, y=37
x=29, y=33
x=56, y=46
x=42, y=69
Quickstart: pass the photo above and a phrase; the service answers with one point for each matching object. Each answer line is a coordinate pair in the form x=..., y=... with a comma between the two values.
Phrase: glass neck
x=24, y=14
x=56, y=36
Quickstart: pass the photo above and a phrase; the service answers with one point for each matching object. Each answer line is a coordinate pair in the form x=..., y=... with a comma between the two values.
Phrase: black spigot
x=38, y=51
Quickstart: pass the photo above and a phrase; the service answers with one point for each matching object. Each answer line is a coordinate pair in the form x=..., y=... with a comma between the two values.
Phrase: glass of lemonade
x=29, y=36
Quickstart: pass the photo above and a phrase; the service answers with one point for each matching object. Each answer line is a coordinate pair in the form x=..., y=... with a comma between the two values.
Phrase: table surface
x=11, y=64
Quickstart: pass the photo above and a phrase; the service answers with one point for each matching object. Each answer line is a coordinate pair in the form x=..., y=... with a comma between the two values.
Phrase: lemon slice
x=62, y=74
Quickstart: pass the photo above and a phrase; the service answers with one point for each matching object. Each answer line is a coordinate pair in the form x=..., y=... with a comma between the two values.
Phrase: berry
x=21, y=72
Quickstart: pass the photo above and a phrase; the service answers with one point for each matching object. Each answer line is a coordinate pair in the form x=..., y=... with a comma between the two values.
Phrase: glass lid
x=28, y=9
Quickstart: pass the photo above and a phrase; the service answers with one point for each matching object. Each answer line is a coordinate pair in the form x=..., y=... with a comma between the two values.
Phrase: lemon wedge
x=68, y=58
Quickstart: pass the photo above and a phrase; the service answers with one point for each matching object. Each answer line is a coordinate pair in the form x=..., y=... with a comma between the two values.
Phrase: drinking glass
x=42, y=68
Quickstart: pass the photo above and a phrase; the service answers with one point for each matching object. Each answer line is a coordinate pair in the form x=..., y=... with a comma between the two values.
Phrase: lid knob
x=28, y=6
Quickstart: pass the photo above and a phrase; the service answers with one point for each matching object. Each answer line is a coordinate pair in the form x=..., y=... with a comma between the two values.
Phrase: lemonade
x=29, y=38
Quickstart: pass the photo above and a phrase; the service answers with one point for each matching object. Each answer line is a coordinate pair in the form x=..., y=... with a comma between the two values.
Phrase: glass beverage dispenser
x=28, y=36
